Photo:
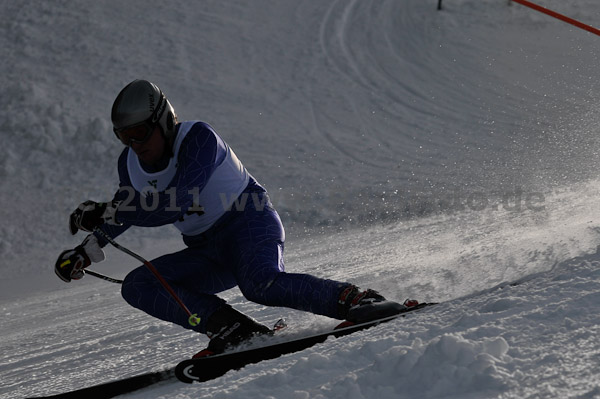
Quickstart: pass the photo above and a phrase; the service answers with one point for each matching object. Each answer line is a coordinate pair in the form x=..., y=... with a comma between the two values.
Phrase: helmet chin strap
x=169, y=143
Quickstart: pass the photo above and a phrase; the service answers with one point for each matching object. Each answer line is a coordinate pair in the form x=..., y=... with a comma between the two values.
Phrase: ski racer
x=183, y=173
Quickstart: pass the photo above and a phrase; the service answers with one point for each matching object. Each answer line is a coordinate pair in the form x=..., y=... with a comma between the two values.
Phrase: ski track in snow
x=373, y=115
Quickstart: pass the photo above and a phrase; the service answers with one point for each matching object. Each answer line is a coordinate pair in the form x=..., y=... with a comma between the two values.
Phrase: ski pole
x=193, y=319
x=102, y=276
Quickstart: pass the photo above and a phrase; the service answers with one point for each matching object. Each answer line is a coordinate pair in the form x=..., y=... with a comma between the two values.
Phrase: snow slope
x=426, y=154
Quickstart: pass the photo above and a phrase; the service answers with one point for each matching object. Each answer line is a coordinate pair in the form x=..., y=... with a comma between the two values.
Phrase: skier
x=186, y=175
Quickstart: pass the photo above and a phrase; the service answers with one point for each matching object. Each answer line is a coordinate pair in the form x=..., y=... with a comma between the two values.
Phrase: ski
x=211, y=367
x=116, y=388
x=130, y=384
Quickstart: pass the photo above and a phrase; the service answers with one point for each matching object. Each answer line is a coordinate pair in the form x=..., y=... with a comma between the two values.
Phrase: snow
x=432, y=155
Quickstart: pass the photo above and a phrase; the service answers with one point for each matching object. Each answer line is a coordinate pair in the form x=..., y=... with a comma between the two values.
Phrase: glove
x=90, y=214
x=70, y=263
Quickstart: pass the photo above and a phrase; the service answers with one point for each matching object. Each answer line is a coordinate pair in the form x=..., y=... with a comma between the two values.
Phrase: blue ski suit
x=233, y=235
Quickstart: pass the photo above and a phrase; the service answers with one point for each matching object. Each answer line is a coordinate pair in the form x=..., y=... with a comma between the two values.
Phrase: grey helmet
x=142, y=102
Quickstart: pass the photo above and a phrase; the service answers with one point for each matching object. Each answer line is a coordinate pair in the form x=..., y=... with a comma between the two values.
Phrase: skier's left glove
x=90, y=214
x=70, y=263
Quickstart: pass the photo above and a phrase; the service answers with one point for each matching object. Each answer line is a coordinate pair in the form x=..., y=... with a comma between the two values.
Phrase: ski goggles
x=139, y=133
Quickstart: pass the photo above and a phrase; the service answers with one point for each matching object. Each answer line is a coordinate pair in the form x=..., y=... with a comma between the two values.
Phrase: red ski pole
x=193, y=319
x=554, y=14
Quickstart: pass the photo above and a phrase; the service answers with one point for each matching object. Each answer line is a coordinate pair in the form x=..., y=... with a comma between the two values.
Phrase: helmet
x=142, y=102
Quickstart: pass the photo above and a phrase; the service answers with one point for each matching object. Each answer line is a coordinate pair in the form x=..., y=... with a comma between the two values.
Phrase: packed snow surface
x=447, y=156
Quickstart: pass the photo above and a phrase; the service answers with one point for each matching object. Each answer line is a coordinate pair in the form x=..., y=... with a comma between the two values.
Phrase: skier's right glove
x=70, y=263
x=90, y=214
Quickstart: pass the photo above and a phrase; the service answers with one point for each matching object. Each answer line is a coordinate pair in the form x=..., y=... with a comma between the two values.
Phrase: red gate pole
x=554, y=14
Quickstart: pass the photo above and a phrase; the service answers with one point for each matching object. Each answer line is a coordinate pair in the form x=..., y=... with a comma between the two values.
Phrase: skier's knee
x=258, y=292
x=126, y=289
x=253, y=294
x=129, y=292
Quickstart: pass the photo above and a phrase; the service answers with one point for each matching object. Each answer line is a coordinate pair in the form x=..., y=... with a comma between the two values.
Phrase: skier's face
x=151, y=150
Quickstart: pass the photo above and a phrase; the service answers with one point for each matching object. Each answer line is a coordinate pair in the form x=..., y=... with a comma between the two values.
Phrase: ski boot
x=358, y=306
x=228, y=328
